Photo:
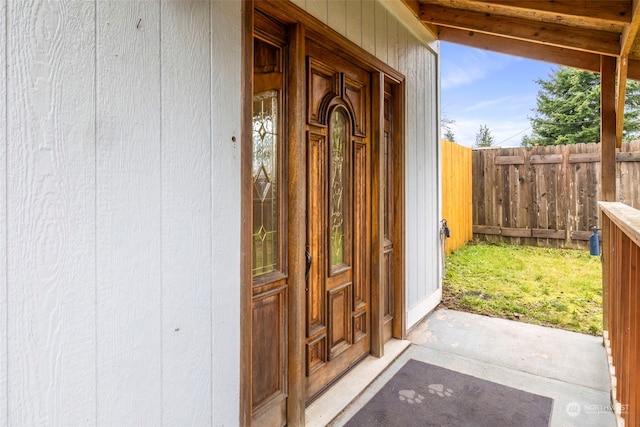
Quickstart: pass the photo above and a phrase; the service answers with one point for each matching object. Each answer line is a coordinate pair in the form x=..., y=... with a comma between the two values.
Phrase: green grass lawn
x=552, y=287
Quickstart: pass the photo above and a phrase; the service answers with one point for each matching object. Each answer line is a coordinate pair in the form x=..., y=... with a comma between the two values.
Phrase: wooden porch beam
x=414, y=8
x=633, y=69
x=608, y=128
x=618, y=11
x=597, y=14
x=630, y=32
x=621, y=93
x=582, y=39
x=553, y=54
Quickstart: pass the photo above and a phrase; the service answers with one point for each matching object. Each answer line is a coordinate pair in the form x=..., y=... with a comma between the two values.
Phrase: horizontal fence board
x=516, y=232
x=485, y=229
x=544, y=159
x=510, y=160
x=539, y=233
x=547, y=196
x=584, y=158
x=628, y=157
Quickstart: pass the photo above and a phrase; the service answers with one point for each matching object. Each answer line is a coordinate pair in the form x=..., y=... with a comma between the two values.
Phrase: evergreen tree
x=445, y=125
x=449, y=136
x=568, y=109
x=484, y=137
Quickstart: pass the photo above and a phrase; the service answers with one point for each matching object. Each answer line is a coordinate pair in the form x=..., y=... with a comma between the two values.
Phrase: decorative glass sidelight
x=265, y=182
x=337, y=186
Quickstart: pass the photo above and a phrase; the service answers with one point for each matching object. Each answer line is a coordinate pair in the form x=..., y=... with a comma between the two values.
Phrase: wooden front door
x=338, y=217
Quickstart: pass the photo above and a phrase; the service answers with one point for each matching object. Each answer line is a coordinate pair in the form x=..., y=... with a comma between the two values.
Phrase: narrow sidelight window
x=265, y=182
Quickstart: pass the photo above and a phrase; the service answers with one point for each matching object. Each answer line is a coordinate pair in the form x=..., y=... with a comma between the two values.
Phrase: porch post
x=608, y=127
x=607, y=163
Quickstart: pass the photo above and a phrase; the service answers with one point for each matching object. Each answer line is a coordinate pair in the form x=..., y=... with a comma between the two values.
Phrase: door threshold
x=337, y=397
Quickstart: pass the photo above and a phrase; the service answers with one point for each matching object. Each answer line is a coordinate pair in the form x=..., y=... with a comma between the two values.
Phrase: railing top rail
x=625, y=217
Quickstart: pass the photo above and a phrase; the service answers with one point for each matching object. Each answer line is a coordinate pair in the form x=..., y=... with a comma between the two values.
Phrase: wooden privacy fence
x=456, y=193
x=546, y=196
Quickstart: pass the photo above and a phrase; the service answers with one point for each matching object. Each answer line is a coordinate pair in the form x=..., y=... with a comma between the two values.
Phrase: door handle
x=309, y=260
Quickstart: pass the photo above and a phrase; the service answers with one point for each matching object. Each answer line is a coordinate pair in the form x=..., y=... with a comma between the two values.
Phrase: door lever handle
x=309, y=260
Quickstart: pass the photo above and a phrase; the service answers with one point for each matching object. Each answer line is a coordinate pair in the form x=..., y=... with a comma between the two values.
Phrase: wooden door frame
x=302, y=25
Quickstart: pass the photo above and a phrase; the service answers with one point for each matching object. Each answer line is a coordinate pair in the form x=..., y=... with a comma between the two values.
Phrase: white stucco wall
x=119, y=212
x=374, y=26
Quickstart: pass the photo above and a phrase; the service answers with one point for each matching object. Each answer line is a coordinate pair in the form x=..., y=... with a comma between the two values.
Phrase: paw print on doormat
x=410, y=396
x=440, y=390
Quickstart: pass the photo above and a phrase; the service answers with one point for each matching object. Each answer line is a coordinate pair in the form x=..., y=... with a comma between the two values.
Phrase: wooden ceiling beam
x=630, y=32
x=414, y=8
x=555, y=55
x=618, y=11
x=633, y=69
x=607, y=15
x=595, y=41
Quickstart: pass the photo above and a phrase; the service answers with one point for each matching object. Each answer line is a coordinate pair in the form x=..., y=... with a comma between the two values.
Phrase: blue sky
x=486, y=88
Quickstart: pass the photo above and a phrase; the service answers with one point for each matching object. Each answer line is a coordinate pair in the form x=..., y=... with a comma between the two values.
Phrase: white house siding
x=370, y=25
x=3, y=213
x=119, y=212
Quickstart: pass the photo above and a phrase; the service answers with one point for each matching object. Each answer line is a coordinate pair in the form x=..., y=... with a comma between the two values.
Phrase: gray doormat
x=420, y=394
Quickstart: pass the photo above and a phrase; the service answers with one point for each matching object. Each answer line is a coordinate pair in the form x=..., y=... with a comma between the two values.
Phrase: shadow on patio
x=568, y=367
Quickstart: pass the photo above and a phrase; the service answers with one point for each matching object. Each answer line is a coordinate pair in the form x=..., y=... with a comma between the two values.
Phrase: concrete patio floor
x=570, y=368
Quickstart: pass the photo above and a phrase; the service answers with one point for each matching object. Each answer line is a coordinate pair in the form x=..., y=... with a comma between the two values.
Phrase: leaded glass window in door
x=338, y=137
x=265, y=182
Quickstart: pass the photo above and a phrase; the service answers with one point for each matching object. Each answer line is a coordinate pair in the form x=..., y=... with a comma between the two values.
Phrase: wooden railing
x=621, y=299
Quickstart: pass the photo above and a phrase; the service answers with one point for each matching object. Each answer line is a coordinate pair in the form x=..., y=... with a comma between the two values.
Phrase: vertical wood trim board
x=400, y=261
x=4, y=414
x=49, y=219
x=226, y=37
x=186, y=212
x=246, y=206
x=129, y=213
x=297, y=195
